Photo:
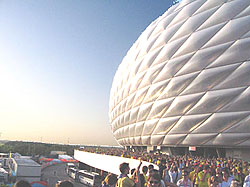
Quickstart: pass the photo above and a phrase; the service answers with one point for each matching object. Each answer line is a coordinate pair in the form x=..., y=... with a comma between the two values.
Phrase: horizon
x=51, y=143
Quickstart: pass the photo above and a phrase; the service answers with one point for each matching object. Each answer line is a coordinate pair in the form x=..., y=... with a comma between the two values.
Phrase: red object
x=39, y=183
x=192, y=148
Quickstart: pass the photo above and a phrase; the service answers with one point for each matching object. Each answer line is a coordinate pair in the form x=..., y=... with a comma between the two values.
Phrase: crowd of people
x=180, y=170
x=184, y=172
x=24, y=183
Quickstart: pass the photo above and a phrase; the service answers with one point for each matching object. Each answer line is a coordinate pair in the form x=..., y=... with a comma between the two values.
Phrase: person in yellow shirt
x=144, y=172
x=193, y=174
x=158, y=162
x=124, y=180
x=203, y=177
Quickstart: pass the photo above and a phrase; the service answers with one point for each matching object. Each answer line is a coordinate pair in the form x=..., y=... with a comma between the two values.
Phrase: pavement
x=55, y=173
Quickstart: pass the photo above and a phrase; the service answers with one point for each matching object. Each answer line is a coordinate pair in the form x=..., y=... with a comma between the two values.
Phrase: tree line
x=35, y=148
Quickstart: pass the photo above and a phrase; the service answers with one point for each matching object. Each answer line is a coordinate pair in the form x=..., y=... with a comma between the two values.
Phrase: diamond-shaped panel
x=186, y=80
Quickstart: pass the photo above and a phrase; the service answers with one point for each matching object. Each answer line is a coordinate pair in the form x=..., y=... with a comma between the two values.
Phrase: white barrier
x=107, y=162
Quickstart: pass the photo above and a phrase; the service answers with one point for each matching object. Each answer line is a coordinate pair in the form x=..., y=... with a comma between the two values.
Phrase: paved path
x=57, y=172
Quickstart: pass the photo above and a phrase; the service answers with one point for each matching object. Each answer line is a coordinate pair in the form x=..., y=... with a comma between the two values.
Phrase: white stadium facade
x=186, y=81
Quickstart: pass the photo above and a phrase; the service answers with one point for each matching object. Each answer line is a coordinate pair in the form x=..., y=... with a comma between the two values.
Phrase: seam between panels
x=129, y=124
x=183, y=36
x=204, y=67
x=172, y=126
x=186, y=5
x=186, y=87
x=203, y=29
x=238, y=62
x=138, y=85
x=216, y=85
x=199, y=126
x=246, y=139
x=180, y=94
x=202, y=93
x=190, y=132
x=174, y=96
x=171, y=116
x=226, y=128
x=181, y=140
x=156, y=99
x=160, y=117
x=193, y=14
x=177, y=50
x=209, y=139
x=233, y=42
x=236, y=123
x=142, y=131
x=235, y=133
x=208, y=119
x=156, y=76
x=217, y=111
x=221, y=132
x=246, y=87
x=226, y=22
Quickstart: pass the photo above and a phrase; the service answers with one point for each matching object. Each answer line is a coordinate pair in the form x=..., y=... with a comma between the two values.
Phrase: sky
x=57, y=63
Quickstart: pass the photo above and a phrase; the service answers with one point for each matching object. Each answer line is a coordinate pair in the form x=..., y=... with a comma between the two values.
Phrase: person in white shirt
x=185, y=182
x=174, y=174
x=235, y=183
x=247, y=181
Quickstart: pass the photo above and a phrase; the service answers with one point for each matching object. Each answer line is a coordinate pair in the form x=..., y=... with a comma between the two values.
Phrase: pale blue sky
x=57, y=62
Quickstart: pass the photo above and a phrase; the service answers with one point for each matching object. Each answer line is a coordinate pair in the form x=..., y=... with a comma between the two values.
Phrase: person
x=162, y=167
x=174, y=174
x=110, y=180
x=142, y=179
x=247, y=180
x=213, y=181
x=246, y=184
x=64, y=184
x=154, y=180
x=245, y=168
x=124, y=180
x=235, y=183
x=144, y=172
x=203, y=177
x=236, y=175
x=241, y=176
x=132, y=173
x=22, y=183
x=185, y=180
x=150, y=167
x=227, y=179
x=194, y=174
x=166, y=176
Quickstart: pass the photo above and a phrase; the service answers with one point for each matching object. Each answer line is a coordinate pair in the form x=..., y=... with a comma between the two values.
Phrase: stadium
x=184, y=84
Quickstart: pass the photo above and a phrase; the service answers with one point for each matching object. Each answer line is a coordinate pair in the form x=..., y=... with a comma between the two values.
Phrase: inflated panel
x=186, y=80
